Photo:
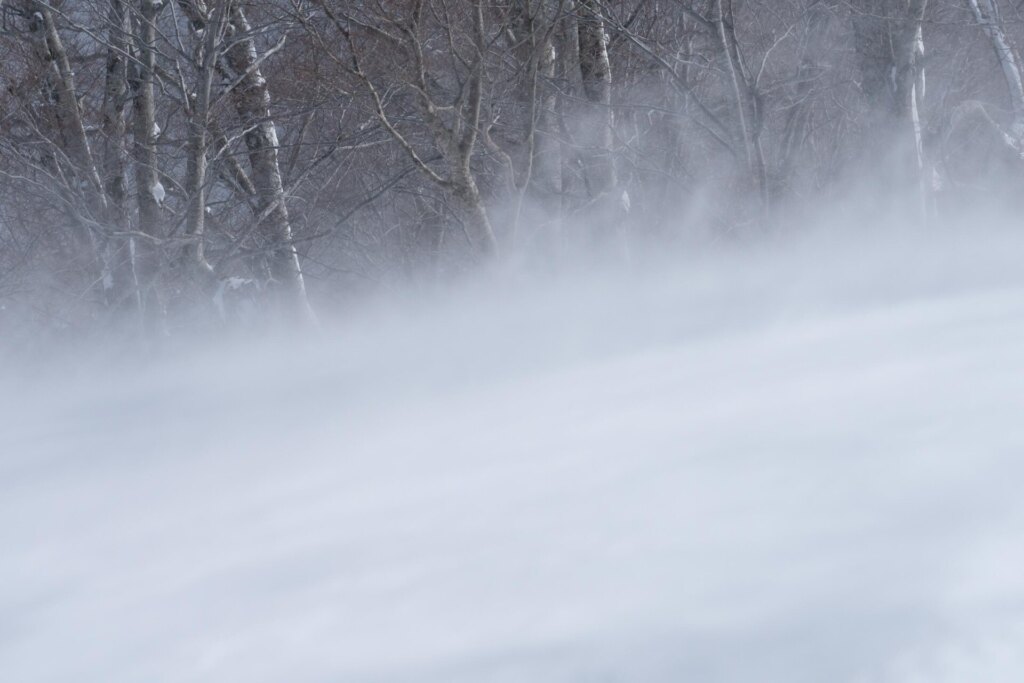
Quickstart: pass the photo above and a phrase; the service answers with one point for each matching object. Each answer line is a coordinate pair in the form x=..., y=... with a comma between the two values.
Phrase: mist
x=560, y=341
x=792, y=460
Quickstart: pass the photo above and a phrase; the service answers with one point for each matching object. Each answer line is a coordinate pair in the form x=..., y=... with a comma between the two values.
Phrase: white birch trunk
x=251, y=99
x=72, y=127
x=747, y=112
x=596, y=80
x=149, y=192
x=82, y=179
x=118, y=267
x=890, y=45
x=198, y=142
x=986, y=13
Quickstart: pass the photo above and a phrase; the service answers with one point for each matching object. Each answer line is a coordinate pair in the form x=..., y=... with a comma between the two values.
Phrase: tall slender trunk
x=459, y=143
x=198, y=142
x=115, y=100
x=251, y=99
x=567, y=72
x=986, y=13
x=532, y=164
x=75, y=165
x=890, y=49
x=887, y=39
x=118, y=269
x=606, y=211
x=911, y=88
x=149, y=191
x=69, y=113
x=596, y=80
x=748, y=114
x=814, y=49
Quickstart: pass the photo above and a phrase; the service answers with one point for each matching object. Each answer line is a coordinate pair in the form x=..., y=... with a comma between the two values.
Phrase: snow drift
x=790, y=463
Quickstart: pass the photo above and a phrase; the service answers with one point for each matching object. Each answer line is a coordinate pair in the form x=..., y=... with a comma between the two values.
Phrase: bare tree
x=144, y=162
x=149, y=190
x=118, y=252
x=596, y=79
x=890, y=49
x=454, y=126
x=986, y=13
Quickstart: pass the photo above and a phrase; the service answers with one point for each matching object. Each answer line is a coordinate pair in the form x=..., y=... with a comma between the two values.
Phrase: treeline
x=168, y=156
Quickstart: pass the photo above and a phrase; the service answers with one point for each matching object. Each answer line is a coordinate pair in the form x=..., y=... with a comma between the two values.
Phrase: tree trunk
x=69, y=114
x=986, y=13
x=251, y=99
x=149, y=191
x=118, y=280
x=198, y=142
x=748, y=114
x=890, y=48
x=82, y=180
x=596, y=80
x=814, y=50
x=887, y=39
x=533, y=161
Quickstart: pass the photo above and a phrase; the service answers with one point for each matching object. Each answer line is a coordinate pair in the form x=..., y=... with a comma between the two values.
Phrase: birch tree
x=598, y=117
x=119, y=252
x=155, y=154
x=890, y=48
x=453, y=123
x=150, y=192
x=251, y=98
x=986, y=13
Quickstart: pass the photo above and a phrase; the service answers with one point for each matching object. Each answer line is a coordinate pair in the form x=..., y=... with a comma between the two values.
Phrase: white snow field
x=800, y=462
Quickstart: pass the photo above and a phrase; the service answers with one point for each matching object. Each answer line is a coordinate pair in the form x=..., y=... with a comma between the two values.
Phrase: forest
x=504, y=341
x=173, y=164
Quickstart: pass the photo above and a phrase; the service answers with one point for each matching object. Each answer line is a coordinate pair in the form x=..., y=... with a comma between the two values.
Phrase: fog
x=502, y=342
x=791, y=461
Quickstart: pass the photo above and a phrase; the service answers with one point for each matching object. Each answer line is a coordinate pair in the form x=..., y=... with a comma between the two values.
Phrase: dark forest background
x=177, y=163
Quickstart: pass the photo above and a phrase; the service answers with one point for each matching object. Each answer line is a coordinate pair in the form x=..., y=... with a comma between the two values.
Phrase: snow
x=228, y=285
x=158, y=192
x=793, y=463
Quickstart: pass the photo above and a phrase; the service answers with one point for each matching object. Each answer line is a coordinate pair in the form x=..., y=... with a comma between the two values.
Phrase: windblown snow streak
x=783, y=465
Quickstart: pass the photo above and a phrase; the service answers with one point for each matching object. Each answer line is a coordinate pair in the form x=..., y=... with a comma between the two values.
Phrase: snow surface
x=791, y=463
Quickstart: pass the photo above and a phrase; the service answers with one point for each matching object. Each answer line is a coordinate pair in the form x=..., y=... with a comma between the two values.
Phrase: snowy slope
x=799, y=463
